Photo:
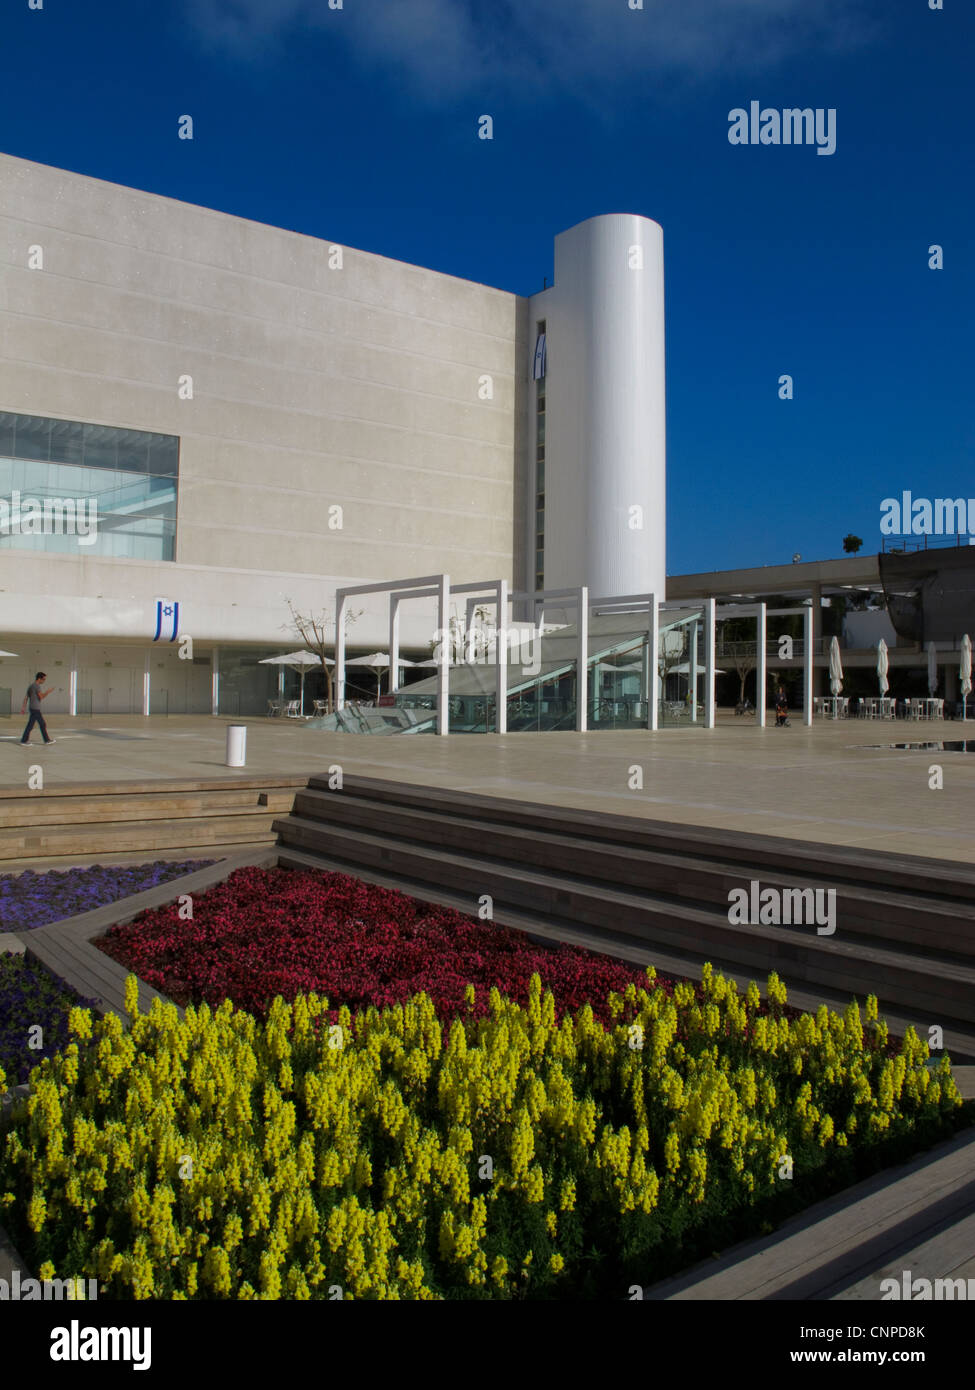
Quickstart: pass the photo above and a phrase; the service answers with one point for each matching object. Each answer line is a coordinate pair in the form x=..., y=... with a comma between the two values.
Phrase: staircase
x=81, y=823
x=656, y=893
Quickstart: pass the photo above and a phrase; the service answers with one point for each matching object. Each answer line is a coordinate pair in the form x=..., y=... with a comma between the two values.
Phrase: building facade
x=250, y=416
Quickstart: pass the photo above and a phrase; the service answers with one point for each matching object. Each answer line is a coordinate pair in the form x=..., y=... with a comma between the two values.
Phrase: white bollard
x=236, y=745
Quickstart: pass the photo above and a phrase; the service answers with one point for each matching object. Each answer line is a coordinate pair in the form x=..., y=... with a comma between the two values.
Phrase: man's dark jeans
x=35, y=718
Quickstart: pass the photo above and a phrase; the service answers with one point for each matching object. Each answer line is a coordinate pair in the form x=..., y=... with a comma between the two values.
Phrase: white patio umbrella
x=378, y=662
x=883, y=665
x=296, y=661
x=835, y=667
x=932, y=668
x=965, y=673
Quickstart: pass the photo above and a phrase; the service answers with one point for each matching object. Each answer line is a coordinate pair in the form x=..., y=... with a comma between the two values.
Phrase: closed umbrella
x=883, y=664
x=932, y=668
x=835, y=667
x=965, y=673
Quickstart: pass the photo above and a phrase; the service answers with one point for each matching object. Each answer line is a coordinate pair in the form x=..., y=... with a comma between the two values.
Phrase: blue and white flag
x=539, y=364
x=167, y=620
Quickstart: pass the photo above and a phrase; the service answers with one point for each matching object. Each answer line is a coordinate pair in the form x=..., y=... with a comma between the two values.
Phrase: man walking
x=33, y=700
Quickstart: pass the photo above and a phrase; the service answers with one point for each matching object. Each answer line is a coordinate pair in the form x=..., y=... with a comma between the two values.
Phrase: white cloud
x=448, y=47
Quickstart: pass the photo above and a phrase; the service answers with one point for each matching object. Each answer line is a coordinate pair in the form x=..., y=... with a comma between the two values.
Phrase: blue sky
x=360, y=125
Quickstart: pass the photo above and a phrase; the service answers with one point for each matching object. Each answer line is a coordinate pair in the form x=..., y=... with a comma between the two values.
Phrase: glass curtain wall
x=68, y=487
x=680, y=666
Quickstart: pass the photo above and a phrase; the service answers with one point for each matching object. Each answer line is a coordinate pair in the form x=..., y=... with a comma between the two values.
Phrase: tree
x=852, y=543
x=744, y=656
x=742, y=650
x=313, y=631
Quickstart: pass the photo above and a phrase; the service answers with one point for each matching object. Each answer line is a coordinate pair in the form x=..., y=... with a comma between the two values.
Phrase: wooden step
x=101, y=837
x=919, y=874
x=945, y=989
x=938, y=928
x=37, y=809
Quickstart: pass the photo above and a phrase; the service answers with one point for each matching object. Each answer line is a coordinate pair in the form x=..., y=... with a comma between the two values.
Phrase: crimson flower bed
x=265, y=932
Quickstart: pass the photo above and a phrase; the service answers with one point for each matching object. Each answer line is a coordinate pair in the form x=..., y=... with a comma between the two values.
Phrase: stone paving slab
x=824, y=783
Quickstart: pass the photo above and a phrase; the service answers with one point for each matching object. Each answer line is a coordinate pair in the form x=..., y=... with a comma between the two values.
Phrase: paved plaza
x=824, y=783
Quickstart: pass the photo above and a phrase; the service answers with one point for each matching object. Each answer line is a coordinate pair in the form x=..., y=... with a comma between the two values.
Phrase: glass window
x=101, y=447
x=164, y=454
x=7, y=433
x=67, y=442
x=32, y=437
x=88, y=486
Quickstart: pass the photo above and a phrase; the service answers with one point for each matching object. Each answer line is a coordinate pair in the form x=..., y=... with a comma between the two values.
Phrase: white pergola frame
x=578, y=599
x=438, y=586
x=708, y=608
x=762, y=613
x=638, y=603
x=428, y=586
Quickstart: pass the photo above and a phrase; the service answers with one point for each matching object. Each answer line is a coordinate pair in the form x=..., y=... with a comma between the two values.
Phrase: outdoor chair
x=293, y=710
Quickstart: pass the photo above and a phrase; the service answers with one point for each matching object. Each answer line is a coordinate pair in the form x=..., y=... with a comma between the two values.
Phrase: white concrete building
x=257, y=415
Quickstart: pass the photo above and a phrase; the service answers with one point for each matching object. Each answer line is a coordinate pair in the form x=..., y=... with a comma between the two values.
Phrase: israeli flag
x=538, y=367
x=167, y=620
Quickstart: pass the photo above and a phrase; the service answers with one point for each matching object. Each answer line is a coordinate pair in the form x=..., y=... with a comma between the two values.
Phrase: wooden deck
x=918, y=1217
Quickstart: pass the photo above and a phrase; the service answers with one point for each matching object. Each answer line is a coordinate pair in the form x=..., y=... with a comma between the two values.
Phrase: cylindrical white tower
x=605, y=437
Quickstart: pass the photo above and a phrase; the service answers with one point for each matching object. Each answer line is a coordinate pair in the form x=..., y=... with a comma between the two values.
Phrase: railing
x=727, y=651
x=906, y=545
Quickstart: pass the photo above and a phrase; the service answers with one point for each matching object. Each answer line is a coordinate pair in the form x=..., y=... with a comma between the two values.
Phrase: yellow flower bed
x=393, y=1158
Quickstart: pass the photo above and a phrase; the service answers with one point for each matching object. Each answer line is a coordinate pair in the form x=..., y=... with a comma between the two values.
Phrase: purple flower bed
x=31, y=900
x=31, y=996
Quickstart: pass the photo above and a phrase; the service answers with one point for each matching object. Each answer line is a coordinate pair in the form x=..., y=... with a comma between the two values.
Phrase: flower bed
x=31, y=900
x=30, y=997
x=268, y=932
x=384, y=1158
